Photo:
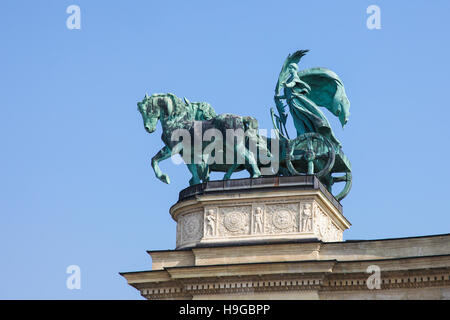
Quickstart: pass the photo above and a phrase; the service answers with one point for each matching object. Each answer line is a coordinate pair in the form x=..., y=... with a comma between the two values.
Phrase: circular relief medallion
x=282, y=219
x=234, y=221
x=191, y=227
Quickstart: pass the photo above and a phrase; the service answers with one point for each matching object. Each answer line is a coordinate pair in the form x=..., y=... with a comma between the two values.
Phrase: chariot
x=313, y=153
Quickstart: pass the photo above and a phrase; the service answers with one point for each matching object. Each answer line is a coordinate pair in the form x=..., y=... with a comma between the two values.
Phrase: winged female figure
x=306, y=90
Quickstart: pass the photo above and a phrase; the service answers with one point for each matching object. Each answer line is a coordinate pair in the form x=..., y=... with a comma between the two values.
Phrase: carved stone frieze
x=261, y=219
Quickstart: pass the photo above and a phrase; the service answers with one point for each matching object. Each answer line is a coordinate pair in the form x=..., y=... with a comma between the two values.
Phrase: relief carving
x=283, y=217
x=210, y=223
x=306, y=218
x=258, y=223
x=327, y=230
x=192, y=227
x=234, y=220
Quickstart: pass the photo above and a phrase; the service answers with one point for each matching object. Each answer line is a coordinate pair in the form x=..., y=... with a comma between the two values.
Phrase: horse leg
x=203, y=172
x=251, y=159
x=252, y=162
x=230, y=171
x=194, y=171
x=162, y=154
x=233, y=166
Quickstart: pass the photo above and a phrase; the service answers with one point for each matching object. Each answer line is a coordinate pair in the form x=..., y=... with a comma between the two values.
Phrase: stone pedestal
x=268, y=209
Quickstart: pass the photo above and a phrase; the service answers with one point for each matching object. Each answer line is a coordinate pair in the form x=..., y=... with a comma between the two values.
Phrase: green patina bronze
x=174, y=113
x=315, y=150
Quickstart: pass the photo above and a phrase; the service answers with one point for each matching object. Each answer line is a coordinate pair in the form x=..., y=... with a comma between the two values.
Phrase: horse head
x=162, y=106
x=150, y=112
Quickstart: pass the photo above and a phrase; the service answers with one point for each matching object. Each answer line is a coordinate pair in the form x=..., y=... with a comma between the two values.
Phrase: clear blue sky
x=76, y=185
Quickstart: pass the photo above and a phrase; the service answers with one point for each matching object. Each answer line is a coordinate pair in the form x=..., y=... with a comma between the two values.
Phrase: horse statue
x=182, y=118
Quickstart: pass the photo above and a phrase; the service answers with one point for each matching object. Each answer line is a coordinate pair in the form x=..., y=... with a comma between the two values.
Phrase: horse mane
x=203, y=111
x=200, y=110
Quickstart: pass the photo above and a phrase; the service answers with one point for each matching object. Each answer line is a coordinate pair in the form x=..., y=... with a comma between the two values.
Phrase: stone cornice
x=184, y=282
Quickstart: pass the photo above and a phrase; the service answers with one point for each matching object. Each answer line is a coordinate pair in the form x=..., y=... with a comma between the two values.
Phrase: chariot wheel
x=310, y=147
